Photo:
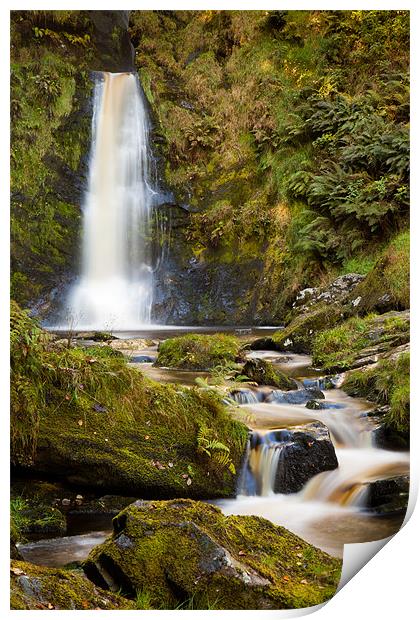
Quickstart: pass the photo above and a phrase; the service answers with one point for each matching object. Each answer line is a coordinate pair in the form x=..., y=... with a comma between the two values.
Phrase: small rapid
x=331, y=508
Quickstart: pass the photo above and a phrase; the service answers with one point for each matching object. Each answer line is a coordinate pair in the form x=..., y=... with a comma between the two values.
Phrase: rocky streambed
x=312, y=477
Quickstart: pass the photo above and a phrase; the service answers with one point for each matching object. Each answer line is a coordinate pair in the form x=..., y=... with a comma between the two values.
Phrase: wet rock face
x=388, y=496
x=309, y=453
x=181, y=549
x=114, y=51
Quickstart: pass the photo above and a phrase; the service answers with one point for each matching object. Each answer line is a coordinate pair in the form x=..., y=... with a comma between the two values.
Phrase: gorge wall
x=281, y=139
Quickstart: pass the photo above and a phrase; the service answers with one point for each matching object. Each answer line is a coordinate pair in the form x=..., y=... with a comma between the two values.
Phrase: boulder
x=308, y=452
x=297, y=336
x=264, y=373
x=295, y=397
x=38, y=587
x=338, y=291
x=389, y=495
x=181, y=550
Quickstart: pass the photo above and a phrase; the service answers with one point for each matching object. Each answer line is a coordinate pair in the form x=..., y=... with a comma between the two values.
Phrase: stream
x=329, y=511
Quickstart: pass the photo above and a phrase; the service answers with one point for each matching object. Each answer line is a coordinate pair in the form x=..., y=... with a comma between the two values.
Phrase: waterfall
x=115, y=289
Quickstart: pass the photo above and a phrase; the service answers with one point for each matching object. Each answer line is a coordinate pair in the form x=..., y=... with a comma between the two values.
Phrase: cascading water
x=330, y=510
x=115, y=289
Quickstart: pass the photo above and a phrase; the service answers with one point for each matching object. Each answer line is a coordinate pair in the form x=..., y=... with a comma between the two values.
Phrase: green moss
x=299, y=335
x=264, y=373
x=181, y=550
x=389, y=277
x=339, y=347
x=97, y=421
x=388, y=382
x=198, y=351
x=38, y=587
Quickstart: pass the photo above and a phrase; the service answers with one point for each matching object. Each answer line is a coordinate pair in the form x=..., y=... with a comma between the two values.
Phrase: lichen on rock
x=181, y=549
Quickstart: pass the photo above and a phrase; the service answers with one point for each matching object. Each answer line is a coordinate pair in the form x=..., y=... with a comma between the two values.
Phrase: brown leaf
x=189, y=481
x=303, y=581
x=80, y=422
x=286, y=578
x=17, y=571
x=241, y=552
x=184, y=476
x=147, y=436
x=50, y=606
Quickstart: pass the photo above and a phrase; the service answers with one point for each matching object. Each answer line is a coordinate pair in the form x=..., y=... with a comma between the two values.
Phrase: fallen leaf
x=184, y=476
x=80, y=422
x=147, y=436
x=241, y=552
x=67, y=397
x=303, y=581
x=170, y=464
x=286, y=578
x=189, y=481
x=17, y=571
x=50, y=606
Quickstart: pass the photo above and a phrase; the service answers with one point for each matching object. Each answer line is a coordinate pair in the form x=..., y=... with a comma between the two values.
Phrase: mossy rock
x=264, y=373
x=38, y=587
x=387, y=285
x=179, y=550
x=360, y=341
x=386, y=383
x=85, y=415
x=299, y=334
x=198, y=351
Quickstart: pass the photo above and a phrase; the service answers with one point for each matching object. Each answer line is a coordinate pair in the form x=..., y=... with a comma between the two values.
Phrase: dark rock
x=295, y=397
x=307, y=454
x=183, y=549
x=316, y=404
x=142, y=359
x=389, y=495
x=264, y=373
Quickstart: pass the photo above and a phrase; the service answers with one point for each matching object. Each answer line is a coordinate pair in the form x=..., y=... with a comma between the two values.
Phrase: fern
x=216, y=451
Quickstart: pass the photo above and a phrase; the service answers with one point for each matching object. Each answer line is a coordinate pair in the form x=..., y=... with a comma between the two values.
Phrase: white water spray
x=115, y=290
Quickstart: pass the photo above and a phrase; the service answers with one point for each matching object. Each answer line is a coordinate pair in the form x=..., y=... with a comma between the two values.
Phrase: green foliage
x=286, y=131
x=50, y=85
x=101, y=418
x=198, y=351
x=390, y=276
x=215, y=450
x=388, y=382
x=336, y=348
x=18, y=519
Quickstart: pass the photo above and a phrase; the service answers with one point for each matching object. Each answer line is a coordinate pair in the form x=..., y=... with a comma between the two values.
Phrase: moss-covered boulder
x=179, y=550
x=264, y=373
x=386, y=383
x=38, y=587
x=360, y=341
x=298, y=335
x=198, y=351
x=387, y=285
x=85, y=415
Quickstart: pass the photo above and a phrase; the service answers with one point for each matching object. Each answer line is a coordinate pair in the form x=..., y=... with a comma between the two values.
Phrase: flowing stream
x=329, y=511
x=115, y=289
x=331, y=508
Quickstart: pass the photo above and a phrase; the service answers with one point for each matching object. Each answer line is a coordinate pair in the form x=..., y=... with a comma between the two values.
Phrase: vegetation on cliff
x=286, y=131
